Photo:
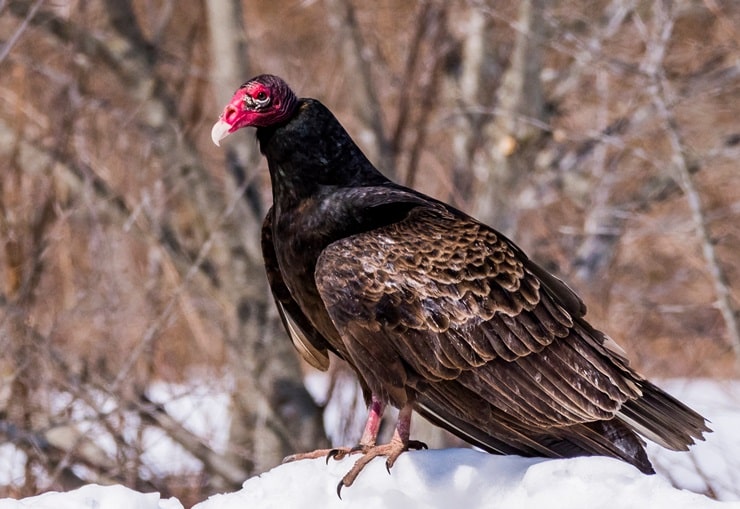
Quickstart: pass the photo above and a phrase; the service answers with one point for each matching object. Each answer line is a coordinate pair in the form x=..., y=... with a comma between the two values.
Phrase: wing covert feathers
x=497, y=352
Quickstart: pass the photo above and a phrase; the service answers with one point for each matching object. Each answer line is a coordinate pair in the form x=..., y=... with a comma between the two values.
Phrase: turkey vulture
x=435, y=311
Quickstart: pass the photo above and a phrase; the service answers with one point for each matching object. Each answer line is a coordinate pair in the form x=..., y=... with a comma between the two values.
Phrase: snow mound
x=93, y=496
x=463, y=478
x=420, y=479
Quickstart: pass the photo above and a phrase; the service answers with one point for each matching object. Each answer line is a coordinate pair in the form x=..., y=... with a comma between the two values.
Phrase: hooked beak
x=220, y=130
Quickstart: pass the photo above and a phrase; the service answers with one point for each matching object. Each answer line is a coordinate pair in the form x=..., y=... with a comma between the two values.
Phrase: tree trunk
x=515, y=133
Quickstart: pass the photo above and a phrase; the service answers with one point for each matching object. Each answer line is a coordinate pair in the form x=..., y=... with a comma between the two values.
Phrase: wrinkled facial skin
x=260, y=102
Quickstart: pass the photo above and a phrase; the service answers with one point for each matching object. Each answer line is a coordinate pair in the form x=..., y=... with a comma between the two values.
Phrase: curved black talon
x=339, y=489
x=417, y=445
x=332, y=454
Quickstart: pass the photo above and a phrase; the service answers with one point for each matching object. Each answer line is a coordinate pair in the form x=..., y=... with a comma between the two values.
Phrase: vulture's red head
x=262, y=101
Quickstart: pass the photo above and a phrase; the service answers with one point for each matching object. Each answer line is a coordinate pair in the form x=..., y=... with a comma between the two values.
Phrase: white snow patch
x=94, y=496
x=713, y=465
x=12, y=462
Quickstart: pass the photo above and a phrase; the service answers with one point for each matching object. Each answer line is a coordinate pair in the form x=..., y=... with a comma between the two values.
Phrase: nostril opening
x=229, y=113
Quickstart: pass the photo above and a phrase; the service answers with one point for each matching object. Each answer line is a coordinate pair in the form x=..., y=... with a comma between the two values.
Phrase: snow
x=713, y=465
x=12, y=461
x=94, y=496
x=437, y=478
x=463, y=478
x=420, y=479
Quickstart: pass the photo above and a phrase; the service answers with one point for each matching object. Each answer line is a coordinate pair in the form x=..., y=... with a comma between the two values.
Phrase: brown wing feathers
x=469, y=289
x=475, y=325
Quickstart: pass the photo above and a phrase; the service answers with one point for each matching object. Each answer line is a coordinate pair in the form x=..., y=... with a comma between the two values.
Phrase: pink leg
x=403, y=424
x=372, y=426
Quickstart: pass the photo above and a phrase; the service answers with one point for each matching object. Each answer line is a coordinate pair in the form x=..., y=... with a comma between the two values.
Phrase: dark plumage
x=435, y=311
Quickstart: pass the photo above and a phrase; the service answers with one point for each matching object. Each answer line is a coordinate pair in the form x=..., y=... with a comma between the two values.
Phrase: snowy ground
x=463, y=478
x=420, y=479
x=714, y=465
x=94, y=496
x=441, y=478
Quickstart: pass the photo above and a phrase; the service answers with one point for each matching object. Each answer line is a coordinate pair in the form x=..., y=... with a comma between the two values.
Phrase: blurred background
x=138, y=340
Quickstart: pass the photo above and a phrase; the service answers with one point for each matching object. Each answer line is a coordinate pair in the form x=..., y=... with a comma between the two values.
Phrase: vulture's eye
x=262, y=99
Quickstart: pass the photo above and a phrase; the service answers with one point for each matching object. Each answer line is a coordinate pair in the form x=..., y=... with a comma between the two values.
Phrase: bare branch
x=425, y=13
x=5, y=50
x=439, y=40
x=591, y=50
x=356, y=59
x=215, y=463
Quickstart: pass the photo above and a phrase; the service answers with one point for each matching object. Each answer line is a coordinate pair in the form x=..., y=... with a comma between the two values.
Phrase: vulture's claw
x=391, y=451
x=335, y=454
x=318, y=453
x=339, y=489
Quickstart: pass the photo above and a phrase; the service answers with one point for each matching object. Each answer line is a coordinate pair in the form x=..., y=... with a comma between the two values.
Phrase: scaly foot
x=367, y=448
x=391, y=451
x=336, y=453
